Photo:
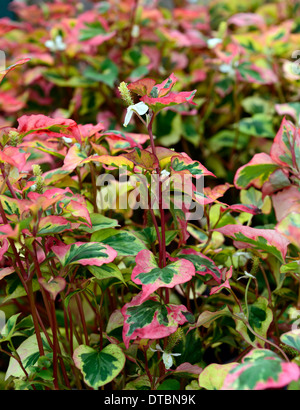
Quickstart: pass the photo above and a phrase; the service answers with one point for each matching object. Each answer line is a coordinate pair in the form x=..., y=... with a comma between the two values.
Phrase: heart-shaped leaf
x=148, y=274
x=54, y=286
x=213, y=376
x=292, y=339
x=261, y=369
x=99, y=368
x=151, y=319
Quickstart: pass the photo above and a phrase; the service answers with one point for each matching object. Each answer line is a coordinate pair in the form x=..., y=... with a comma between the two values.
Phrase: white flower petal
x=128, y=116
x=67, y=140
x=213, y=42
x=50, y=44
x=159, y=348
x=168, y=361
x=141, y=108
x=248, y=275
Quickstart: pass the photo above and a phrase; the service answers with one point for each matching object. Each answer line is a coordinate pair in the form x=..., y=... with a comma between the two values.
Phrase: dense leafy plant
x=237, y=56
x=108, y=279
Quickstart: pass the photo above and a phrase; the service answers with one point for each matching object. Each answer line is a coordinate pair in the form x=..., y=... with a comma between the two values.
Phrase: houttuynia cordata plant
x=150, y=196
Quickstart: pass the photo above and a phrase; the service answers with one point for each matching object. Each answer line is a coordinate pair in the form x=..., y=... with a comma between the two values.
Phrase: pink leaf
x=160, y=90
x=6, y=272
x=52, y=127
x=224, y=285
x=84, y=253
x=203, y=265
x=142, y=87
x=151, y=319
x=286, y=201
x=157, y=104
x=4, y=248
x=262, y=239
x=148, y=274
x=54, y=286
x=183, y=164
x=3, y=73
x=247, y=19
x=250, y=209
x=285, y=150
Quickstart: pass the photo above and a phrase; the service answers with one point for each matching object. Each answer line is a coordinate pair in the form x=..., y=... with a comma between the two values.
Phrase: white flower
x=56, y=45
x=140, y=108
x=67, y=140
x=213, y=42
x=247, y=276
x=167, y=357
x=227, y=69
x=135, y=31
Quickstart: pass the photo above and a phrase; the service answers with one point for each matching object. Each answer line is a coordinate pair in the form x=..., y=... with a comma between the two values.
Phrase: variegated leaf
x=148, y=274
x=151, y=319
x=84, y=253
x=261, y=369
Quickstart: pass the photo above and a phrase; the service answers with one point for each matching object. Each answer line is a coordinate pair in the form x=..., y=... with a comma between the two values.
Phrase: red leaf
x=285, y=150
x=245, y=236
x=142, y=87
x=224, y=285
x=151, y=277
x=52, y=127
x=150, y=320
x=12, y=67
x=157, y=104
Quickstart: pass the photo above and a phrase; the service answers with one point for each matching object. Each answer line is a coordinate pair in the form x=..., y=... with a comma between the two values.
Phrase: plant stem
x=55, y=345
x=82, y=317
x=162, y=241
x=246, y=298
x=35, y=319
x=94, y=188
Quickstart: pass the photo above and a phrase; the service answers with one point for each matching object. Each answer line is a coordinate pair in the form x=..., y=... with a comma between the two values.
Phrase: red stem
x=162, y=239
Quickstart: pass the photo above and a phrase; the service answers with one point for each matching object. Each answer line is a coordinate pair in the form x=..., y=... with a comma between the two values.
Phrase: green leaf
x=253, y=172
x=99, y=222
x=92, y=30
x=292, y=339
x=15, y=289
x=207, y=318
x=125, y=243
x=28, y=351
x=170, y=384
x=8, y=330
x=107, y=271
x=108, y=73
x=228, y=139
x=260, y=318
x=99, y=368
x=257, y=126
x=84, y=253
x=261, y=369
x=213, y=376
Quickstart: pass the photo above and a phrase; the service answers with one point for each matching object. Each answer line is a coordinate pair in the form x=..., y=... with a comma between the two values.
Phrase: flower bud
x=125, y=94
x=14, y=138
x=174, y=339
